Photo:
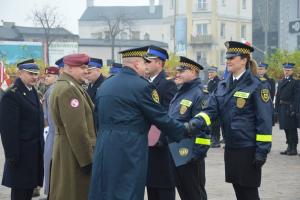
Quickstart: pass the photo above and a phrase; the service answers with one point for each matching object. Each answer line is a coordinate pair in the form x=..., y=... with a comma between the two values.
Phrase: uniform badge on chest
x=182, y=109
x=240, y=102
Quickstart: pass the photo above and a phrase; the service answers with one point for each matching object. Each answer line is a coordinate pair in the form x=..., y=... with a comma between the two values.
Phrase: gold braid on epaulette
x=189, y=65
x=240, y=50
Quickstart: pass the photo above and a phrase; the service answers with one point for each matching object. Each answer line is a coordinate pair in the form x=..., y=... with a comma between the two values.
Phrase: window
x=202, y=4
x=222, y=57
x=222, y=31
x=97, y=35
x=243, y=31
x=146, y=36
x=223, y=2
x=298, y=9
x=135, y=35
x=124, y=36
x=201, y=57
x=172, y=4
x=107, y=35
x=244, y=4
x=172, y=32
x=202, y=29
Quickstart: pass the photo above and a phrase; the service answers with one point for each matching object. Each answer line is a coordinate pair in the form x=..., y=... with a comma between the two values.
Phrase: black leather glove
x=87, y=169
x=259, y=163
x=196, y=124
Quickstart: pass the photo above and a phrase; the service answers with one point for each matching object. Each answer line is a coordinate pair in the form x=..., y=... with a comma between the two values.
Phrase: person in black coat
x=160, y=178
x=95, y=77
x=285, y=106
x=211, y=86
x=21, y=128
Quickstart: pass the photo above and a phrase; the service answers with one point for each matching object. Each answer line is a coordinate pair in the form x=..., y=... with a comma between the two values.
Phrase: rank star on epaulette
x=265, y=95
x=155, y=96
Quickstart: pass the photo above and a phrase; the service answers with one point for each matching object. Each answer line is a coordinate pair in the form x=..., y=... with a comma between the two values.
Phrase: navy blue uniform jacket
x=160, y=166
x=127, y=105
x=245, y=113
x=22, y=125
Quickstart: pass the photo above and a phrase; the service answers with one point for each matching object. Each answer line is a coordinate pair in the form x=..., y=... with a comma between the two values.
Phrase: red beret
x=52, y=70
x=76, y=60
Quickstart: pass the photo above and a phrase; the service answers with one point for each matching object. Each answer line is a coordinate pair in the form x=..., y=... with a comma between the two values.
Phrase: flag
x=4, y=78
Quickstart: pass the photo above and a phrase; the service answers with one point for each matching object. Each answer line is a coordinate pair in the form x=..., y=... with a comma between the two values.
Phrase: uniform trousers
x=190, y=180
x=21, y=194
x=245, y=193
x=291, y=136
x=161, y=193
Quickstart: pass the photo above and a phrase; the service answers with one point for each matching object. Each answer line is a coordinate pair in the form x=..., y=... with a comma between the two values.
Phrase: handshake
x=195, y=125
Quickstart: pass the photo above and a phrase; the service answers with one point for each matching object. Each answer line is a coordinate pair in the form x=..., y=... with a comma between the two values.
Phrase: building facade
x=195, y=28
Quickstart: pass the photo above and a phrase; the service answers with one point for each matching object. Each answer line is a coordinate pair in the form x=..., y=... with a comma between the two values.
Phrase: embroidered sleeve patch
x=265, y=95
x=74, y=103
x=155, y=96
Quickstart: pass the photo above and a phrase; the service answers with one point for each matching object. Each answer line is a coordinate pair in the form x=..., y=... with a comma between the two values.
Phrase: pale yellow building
x=194, y=28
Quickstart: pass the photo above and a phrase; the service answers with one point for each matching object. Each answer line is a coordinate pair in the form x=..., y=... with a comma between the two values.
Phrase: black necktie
x=234, y=83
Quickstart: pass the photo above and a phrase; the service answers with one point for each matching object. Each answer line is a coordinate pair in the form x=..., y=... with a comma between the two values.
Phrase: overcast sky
x=19, y=10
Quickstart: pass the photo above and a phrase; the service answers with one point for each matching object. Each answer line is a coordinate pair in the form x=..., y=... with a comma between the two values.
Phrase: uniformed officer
x=74, y=141
x=262, y=74
x=285, y=106
x=244, y=106
x=94, y=77
x=21, y=128
x=188, y=101
x=160, y=179
x=212, y=84
x=115, y=68
x=51, y=77
x=131, y=104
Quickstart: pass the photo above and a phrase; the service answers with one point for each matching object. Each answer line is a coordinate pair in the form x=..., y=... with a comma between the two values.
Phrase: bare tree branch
x=116, y=25
x=47, y=18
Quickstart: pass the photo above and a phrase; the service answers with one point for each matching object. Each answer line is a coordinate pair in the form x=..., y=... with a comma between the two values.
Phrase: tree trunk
x=113, y=39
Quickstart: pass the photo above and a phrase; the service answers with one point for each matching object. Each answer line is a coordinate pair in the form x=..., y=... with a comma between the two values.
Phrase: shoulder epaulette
x=12, y=88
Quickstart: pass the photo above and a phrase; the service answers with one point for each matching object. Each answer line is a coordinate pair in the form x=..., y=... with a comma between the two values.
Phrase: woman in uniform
x=243, y=104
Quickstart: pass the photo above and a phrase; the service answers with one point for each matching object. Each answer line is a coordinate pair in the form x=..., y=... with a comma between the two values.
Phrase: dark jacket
x=212, y=84
x=245, y=113
x=92, y=88
x=160, y=173
x=189, y=101
x=272, y=85
x=21, y=128
x=286, y=103
x=130, y=105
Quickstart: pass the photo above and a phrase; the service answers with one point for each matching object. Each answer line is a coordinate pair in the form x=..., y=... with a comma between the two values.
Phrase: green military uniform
x=72, y=112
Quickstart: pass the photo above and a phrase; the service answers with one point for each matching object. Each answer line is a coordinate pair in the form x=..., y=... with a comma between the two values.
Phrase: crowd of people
x=86, y=136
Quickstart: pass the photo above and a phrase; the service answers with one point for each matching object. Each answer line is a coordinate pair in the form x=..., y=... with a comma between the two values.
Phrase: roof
x=135, y=12
x=121, y=43
x=17, y=33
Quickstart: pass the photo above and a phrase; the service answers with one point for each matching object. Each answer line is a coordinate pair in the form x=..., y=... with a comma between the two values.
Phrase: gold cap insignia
x=183, y=151
x=265, y=95
x=155, y=96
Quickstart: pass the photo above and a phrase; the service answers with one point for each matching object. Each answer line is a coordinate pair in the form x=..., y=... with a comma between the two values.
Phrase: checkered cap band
x=239, y=50
x=134, y=54
x=189, y=65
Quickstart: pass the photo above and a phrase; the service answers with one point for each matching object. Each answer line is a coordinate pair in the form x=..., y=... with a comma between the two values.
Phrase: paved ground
x=281, y=175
